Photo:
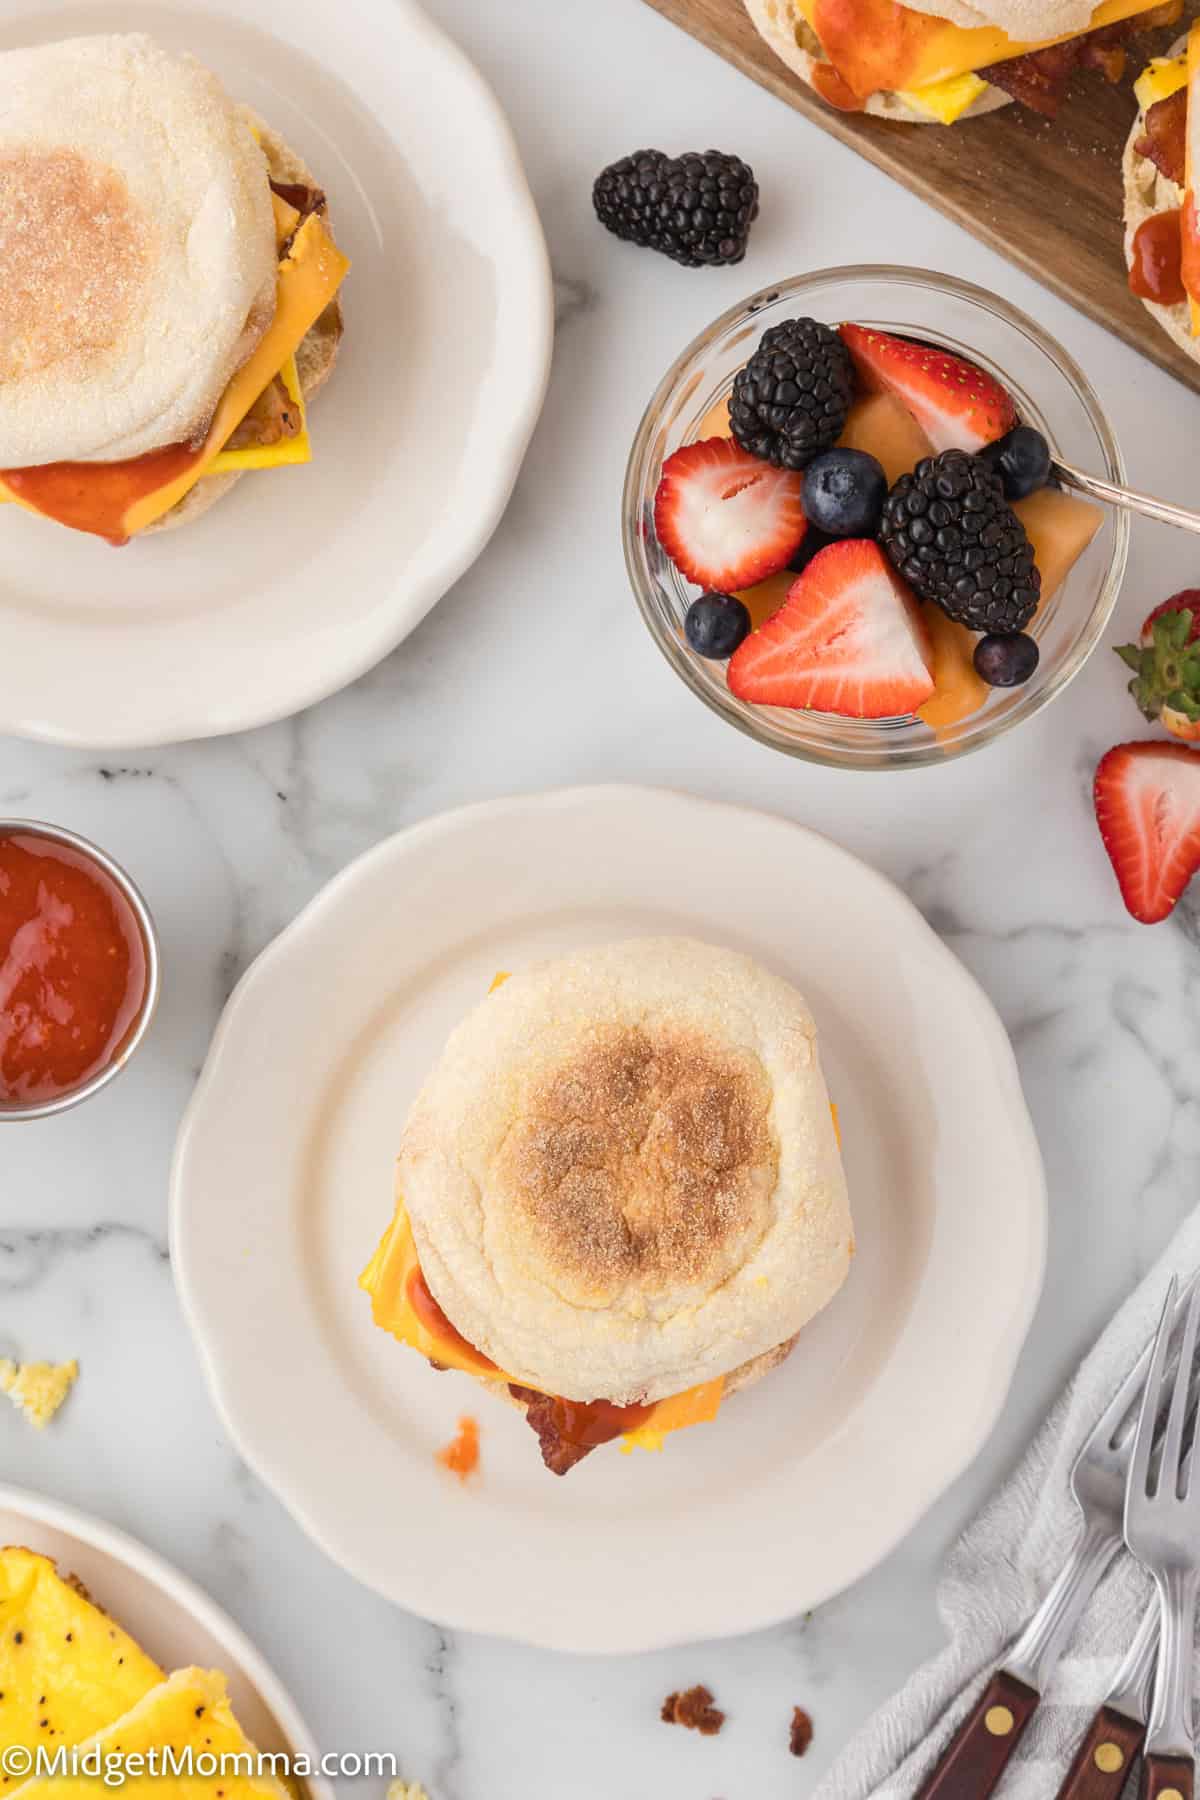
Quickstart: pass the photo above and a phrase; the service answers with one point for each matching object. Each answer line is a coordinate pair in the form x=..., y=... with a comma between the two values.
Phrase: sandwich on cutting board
x=620, y=1194
x=169, y=302
x=930, y=63
x=71, y=1678
x=1162, y=162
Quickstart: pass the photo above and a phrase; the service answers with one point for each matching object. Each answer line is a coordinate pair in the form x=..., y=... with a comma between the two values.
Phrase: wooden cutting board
x=1046, y=194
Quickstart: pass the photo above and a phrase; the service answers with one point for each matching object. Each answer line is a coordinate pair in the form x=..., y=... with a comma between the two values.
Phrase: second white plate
x=283, y=1182
x=303, y=578
x=173, y=1620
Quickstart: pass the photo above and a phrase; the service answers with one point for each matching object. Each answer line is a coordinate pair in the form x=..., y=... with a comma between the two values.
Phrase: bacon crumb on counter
x=801, y=1733
x=693, y=1708
x=461, y=1454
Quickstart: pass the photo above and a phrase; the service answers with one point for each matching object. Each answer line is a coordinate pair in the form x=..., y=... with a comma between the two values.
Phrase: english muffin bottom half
x=620, y=1194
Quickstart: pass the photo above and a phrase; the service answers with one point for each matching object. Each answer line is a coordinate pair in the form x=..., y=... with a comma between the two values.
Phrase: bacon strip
x=305, y=199
x=1040, y=80
x=1164, y=141
x=558, y=1455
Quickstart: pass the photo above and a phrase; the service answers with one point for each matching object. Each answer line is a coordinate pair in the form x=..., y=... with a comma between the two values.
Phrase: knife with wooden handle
x=983, y=1746
x=1100, y=1770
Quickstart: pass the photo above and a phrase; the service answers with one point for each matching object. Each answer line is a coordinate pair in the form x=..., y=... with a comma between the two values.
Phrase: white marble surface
x=537, y=671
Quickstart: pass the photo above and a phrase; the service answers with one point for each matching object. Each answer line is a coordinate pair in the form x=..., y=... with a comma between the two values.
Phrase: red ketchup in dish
x=72, y=968
x=1155, y=271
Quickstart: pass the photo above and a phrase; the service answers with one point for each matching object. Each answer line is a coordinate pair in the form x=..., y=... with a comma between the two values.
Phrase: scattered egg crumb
x=37, y=1389
x=406, y=1790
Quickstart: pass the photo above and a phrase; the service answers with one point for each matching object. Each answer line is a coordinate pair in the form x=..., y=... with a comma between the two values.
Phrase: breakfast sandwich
x=929, y=63
x=169, y=297
x=1162, y=229
x=620, y=1196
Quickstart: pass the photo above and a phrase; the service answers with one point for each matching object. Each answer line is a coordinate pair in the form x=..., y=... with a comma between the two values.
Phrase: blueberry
x=844, y=492
x=814, y=540
x=1021, y=458
x=1006, y=660
x=715, y=624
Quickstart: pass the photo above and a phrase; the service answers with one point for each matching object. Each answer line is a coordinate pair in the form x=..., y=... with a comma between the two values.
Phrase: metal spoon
x=1129, y=498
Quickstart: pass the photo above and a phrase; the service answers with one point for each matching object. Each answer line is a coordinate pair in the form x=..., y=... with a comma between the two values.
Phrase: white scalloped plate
x=174, y=1621
x=303, y=578
x=283, y=1182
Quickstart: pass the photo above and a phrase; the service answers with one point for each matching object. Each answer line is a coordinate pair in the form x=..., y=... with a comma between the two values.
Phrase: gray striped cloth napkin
x=994, y=1578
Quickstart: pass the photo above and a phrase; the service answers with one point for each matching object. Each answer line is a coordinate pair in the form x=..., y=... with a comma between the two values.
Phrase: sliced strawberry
x=956, y=404
x=1186, y=600
x=726, y=519
x=850, y=638
x=1148, y=810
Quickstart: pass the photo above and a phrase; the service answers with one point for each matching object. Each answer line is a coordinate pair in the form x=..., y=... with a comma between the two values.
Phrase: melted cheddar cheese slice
x=387, y=1278
x=309, y=276
x=880, y=46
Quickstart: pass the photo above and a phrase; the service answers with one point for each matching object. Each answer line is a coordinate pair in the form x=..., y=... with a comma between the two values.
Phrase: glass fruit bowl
x=1051, y=392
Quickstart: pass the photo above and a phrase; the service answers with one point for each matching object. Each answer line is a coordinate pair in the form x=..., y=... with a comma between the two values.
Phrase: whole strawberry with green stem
x=1166, y=665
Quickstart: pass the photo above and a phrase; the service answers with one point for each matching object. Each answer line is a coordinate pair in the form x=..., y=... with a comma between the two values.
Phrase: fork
x=1162, y=1529
x=982, y=1748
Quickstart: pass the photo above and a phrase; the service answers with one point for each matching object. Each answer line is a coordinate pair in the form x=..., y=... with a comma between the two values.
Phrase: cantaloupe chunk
x=1060, y=527
x=958, y=690
x=881, y=425
x=715, y=422
x=766, y=597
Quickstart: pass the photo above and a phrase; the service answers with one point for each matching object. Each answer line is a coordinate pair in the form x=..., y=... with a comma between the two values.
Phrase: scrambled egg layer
x=1162, y=77
x=66, y=1669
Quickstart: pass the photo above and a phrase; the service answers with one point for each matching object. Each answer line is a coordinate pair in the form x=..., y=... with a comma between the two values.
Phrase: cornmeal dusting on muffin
x=37, y=1389
x=54, y=306
x=644, y=1155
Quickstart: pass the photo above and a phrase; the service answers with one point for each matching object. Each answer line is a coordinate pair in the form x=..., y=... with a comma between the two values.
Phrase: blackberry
x=956, y=541
x=790, y=401
x=697, y=209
